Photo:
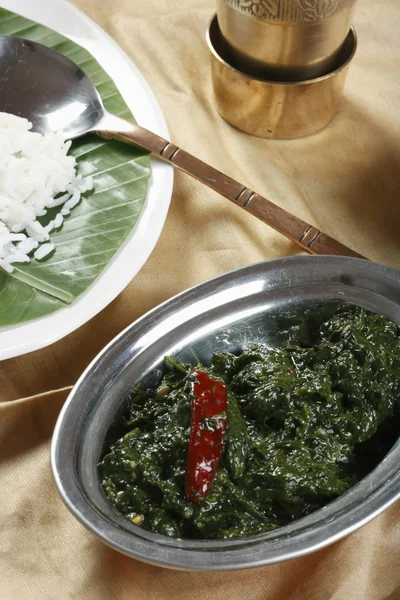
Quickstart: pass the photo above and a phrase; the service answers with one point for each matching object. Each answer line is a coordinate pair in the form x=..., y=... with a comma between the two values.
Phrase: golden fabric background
x=345, y=180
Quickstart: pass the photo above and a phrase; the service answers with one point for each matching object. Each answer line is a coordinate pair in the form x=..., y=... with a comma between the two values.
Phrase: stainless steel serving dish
x=222, y=314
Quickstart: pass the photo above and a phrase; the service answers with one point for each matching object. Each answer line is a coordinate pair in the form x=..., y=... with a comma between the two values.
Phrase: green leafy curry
x=304, y=423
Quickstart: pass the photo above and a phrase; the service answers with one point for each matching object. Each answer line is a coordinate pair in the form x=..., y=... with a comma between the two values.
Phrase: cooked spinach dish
x=257, y=440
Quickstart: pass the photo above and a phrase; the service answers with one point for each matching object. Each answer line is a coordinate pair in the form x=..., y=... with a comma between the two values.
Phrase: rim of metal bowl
x=371, y=496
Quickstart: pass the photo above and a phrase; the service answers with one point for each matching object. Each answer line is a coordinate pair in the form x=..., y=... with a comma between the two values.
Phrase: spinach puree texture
x=305, y=422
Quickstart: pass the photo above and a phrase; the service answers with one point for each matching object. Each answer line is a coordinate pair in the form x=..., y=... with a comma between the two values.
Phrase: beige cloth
x=344, y=180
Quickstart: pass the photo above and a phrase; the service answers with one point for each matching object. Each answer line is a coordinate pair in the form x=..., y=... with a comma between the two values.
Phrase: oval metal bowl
x=223, y=314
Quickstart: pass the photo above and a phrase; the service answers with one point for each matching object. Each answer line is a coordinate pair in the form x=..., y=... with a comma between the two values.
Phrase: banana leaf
x=99, y=225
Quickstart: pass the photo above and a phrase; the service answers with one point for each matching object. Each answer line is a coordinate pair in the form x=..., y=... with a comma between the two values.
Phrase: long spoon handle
x=306, y=236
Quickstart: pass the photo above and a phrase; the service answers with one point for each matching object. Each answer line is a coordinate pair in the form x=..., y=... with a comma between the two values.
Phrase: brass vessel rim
x=338, y=69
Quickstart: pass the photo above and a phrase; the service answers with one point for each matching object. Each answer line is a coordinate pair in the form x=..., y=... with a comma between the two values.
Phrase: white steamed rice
x=35, y=174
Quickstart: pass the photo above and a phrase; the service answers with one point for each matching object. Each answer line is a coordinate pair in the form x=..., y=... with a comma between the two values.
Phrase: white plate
x=69, y=21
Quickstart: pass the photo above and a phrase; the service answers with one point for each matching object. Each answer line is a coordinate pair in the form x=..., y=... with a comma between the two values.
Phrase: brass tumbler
x=287, y=40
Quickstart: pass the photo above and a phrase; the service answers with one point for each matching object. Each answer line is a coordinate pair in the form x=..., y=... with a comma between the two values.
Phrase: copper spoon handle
x=302, y=233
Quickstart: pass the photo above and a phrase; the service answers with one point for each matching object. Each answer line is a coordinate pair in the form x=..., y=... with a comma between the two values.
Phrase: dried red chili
x=207, y=434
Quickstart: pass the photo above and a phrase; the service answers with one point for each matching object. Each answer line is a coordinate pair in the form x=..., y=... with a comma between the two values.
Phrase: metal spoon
x=51, y=91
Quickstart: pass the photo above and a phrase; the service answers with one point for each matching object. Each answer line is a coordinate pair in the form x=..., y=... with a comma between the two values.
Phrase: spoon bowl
x=47, y=88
